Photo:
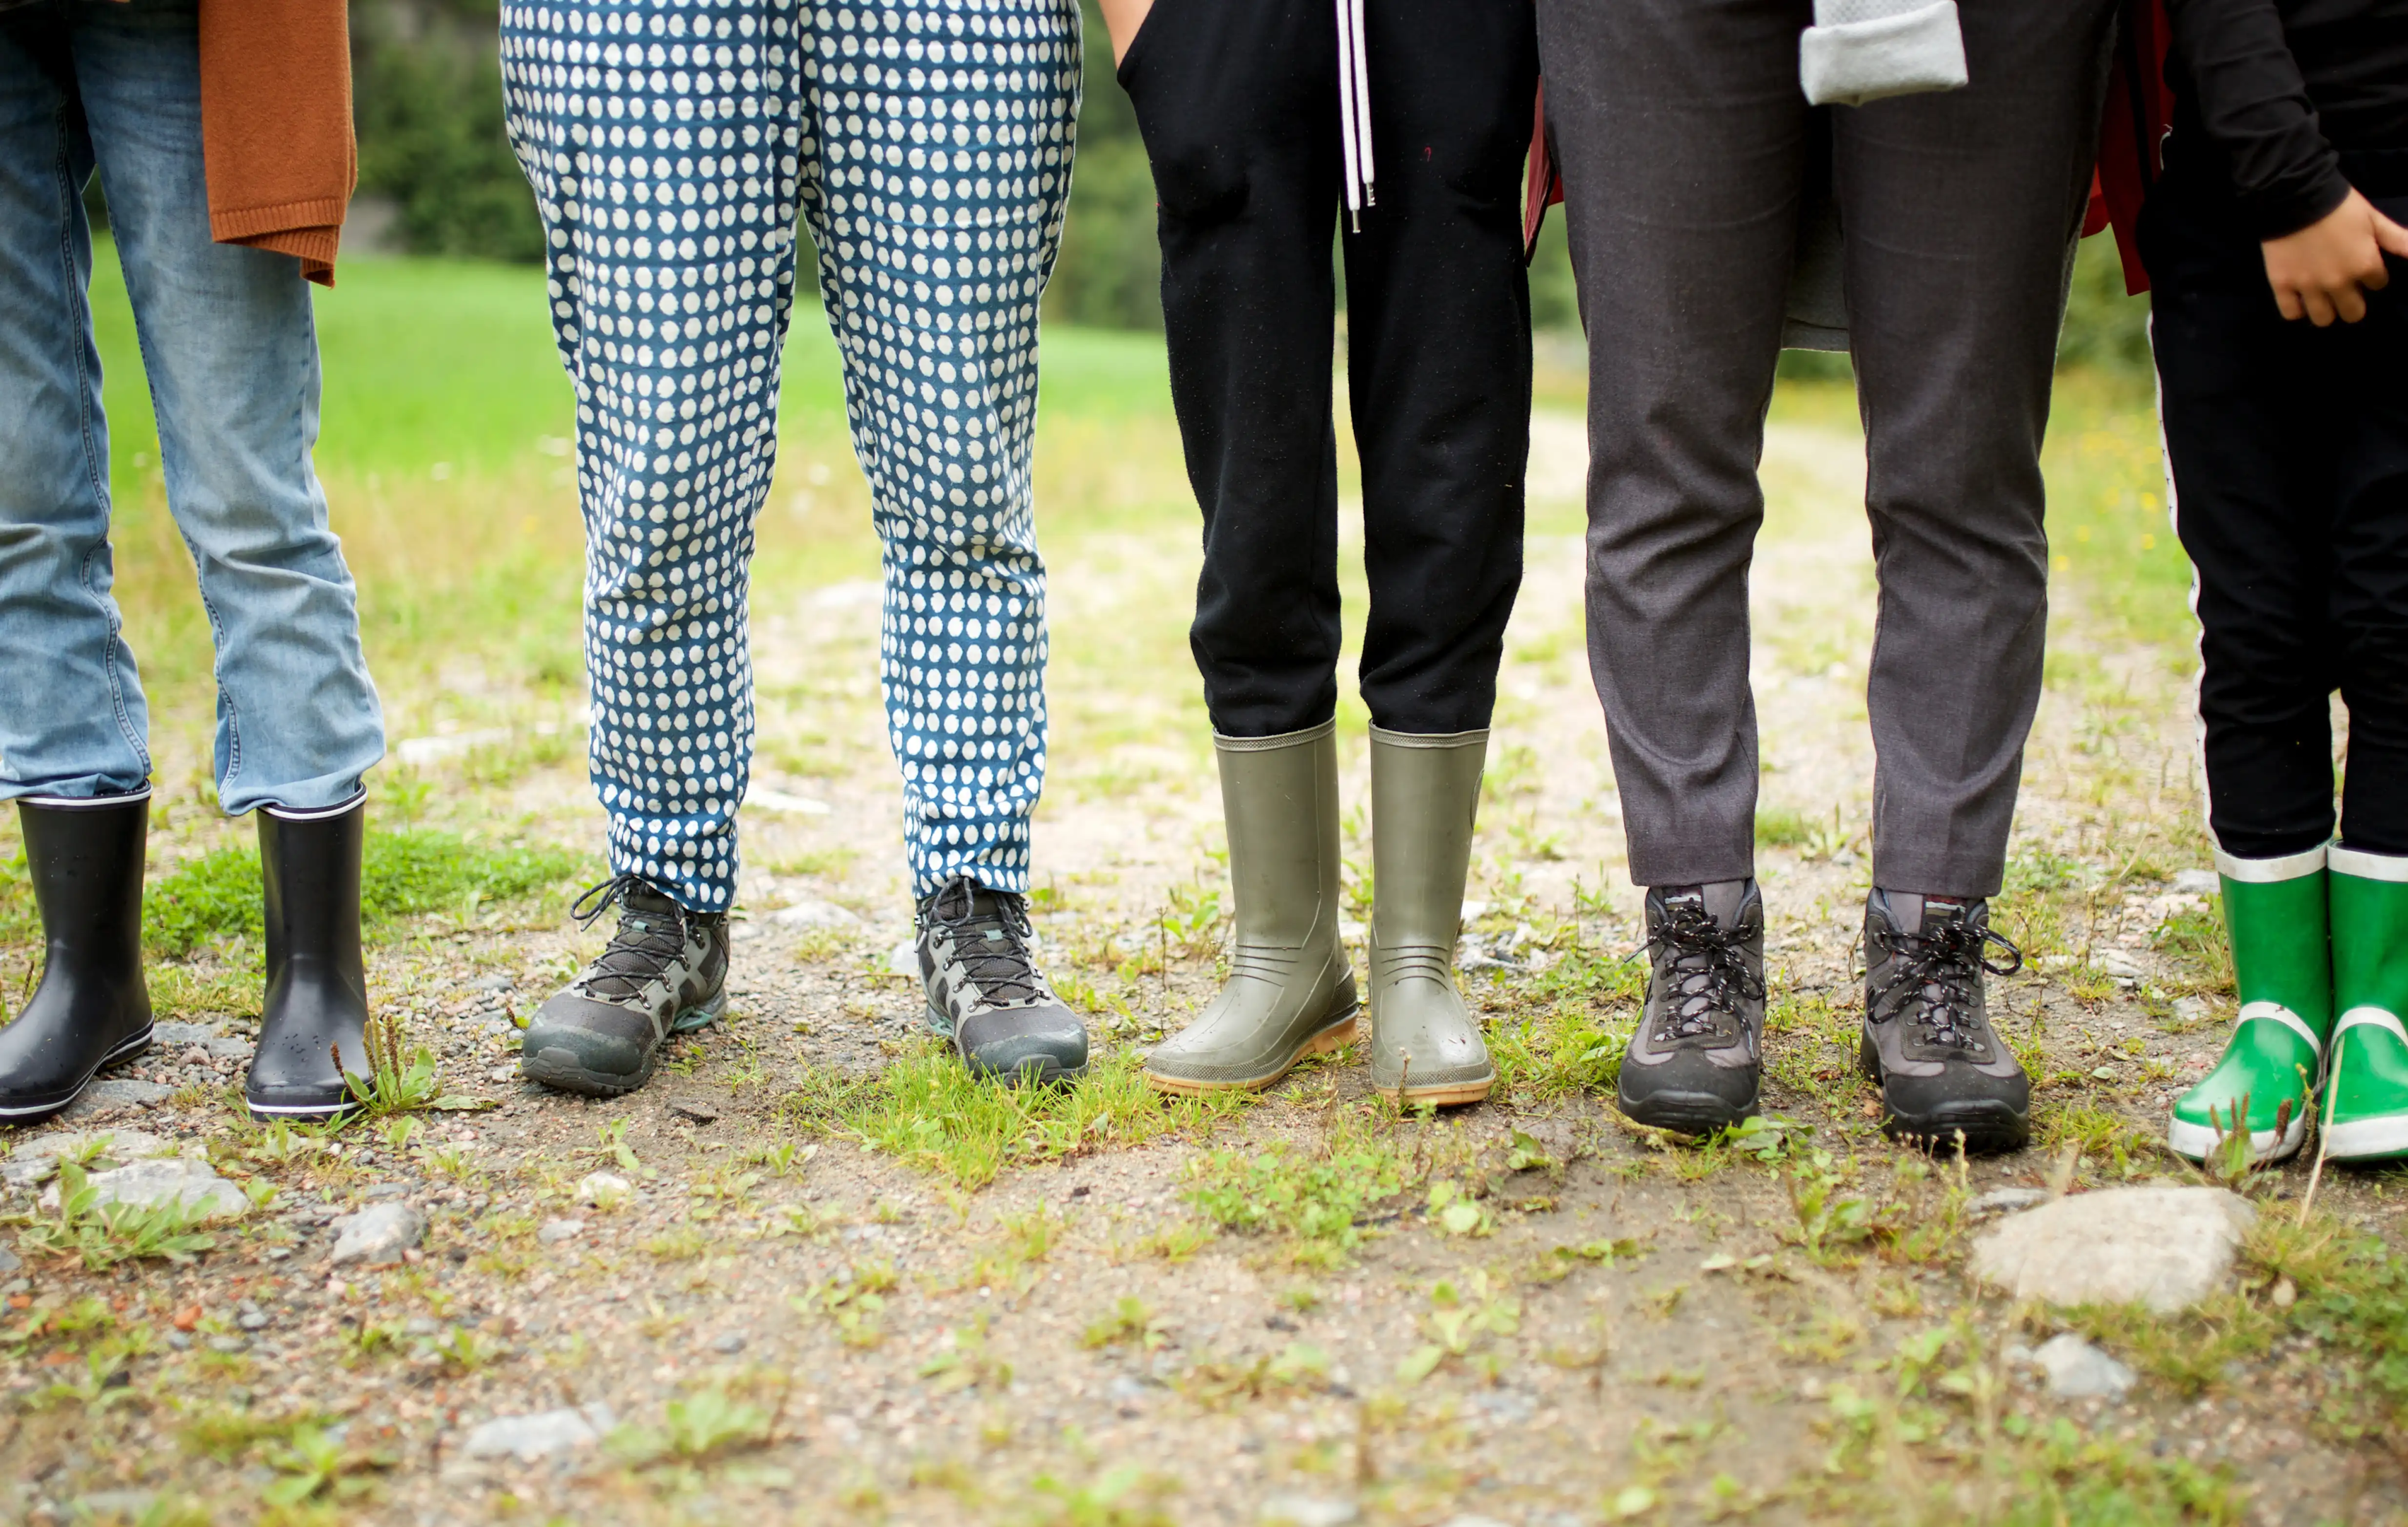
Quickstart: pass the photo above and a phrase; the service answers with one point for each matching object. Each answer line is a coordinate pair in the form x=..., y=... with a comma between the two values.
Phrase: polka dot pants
x=927, y=143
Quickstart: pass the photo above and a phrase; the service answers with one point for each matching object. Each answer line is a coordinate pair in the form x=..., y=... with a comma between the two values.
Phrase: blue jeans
x=671, y=148
x=231, y=351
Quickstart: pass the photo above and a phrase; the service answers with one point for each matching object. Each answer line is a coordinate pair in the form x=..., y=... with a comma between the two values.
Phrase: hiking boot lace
x=645, y=943
x=992, y=948
x=1708, y=972
x=1940, y=971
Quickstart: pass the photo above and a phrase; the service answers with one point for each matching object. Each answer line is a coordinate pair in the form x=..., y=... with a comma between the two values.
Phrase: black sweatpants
x=2289, y=452
x=1237, y=102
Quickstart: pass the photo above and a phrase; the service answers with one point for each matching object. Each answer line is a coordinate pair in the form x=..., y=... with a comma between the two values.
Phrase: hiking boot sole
x=1985, y=1126
x=558, y=1068
x=1336, y=1036
x=45, y=1107
x=1684, y=1113
x=1038, y=1071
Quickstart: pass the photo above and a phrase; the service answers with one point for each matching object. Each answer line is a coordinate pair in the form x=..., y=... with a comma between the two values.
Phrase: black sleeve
x=2247, y=92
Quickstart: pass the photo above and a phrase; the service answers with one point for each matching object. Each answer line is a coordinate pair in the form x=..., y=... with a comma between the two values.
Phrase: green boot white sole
x=2366, y=1103
x=2276, y=912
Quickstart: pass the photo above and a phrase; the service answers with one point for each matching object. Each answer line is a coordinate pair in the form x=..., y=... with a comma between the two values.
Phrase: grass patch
x=1318, y=1202
x=103, y=1234
x=926, y=1110
x=406, y=872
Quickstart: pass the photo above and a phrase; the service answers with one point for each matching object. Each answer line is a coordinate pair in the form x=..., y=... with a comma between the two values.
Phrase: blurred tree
x=2104, y=329
x=1110, y=273
x=427, y=96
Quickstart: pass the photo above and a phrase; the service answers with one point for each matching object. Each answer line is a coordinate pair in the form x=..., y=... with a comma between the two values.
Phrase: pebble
x=2007, y=1201
x=530, y=1438
x=385, y=1189
x=2198, y=882
x=2077, y=1370
x=2165, y=1248
x=492, y=983
x=603, y=1189
x=810, y=913
x=9, y=1262
x=378, y=1235
x=421, y=1325
x=1309, y=1511
x=729, y=1342
x=701, y=1113
x=118, y=1093
x=229, y=1344
x=180, y=1034
x=2116, y=963
x=553, y=1231
x=160, y=1181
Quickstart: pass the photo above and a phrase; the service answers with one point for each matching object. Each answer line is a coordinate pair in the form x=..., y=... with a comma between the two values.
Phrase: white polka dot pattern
x=928, y=142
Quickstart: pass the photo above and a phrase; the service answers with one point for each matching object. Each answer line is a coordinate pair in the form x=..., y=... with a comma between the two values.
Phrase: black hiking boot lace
x=1708, y=971
x=1940, y=971
x=648, y=938
x=991, y=947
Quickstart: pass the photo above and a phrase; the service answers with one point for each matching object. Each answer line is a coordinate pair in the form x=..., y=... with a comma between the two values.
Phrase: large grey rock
x=1310, y=1511
x=532, y=1438
x=34, y=1161
x=2078, y=1371
x=2164, y=1247
x=378, y=1235
x=117, y=1092
x=161, y=1180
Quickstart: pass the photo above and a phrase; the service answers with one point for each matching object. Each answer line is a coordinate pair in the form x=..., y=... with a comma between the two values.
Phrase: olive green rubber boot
x=2366, y=1103
x=1425, y=792
x=2282, y=957
x=1291, y=989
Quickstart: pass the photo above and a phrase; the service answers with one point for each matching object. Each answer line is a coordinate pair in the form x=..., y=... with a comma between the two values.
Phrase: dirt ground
x=1527, y=1312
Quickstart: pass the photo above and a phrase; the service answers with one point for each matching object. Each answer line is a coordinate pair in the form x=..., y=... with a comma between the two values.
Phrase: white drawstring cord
x=1354, y=111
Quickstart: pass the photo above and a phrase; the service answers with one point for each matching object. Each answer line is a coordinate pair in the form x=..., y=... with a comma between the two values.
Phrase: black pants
x=1238, y=103
x=2290, y=447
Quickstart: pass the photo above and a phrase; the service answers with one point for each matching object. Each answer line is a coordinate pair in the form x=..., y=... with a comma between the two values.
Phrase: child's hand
x=1121, y=17
x=2315, y=273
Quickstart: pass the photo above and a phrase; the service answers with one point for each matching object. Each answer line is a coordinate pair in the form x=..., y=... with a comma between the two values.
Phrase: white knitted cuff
x=1861, y=51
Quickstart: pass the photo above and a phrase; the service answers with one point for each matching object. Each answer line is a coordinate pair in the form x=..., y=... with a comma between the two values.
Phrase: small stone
x=1309, y=1511
x=251, y=1320
x=378, y=1235
x=385, y=1189
x=1125, y=1387
x=531, y=1438
x=603, y=1189
x=2116, y=963
x=114, y=1505
x=195, y=1056
x=229, y=1344
x=220, y=1048
x=728, y=1342
x=553, y=1231
x=166, y=1034
x=812, y=913
x=492, y=983
x=8, y=1261
x=2190, y=1009
x=904, y=960
x=118, y=1093
x=701, y=1113
x=421, y=1325
x=2078, y=1371
x=163, y=1180
x=501, y=1072
x=2165, y=1248
x=2006, y=1201
x=2198, y=882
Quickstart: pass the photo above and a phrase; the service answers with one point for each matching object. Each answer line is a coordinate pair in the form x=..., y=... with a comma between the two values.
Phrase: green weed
x=1317, y=1201
x=705, y=1424
x=103, y=1234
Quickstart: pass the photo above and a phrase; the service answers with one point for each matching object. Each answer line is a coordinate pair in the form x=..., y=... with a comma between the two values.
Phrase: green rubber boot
x=1426, y=1044
x=2366, y=1107
x=2282, y=955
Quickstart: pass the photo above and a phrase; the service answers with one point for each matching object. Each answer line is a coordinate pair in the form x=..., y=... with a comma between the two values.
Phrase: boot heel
x=1337, y=1036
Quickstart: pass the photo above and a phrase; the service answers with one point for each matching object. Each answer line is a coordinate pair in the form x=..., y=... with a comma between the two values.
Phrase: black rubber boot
x=317, y=980
x=91, y=1009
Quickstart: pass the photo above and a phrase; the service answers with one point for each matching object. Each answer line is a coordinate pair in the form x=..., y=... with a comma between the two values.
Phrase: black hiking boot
x=1945, y=1078
x=985, y=992
x=92, y=1010
x=664, y=972
x=313, y=1025
x=1696, y=1060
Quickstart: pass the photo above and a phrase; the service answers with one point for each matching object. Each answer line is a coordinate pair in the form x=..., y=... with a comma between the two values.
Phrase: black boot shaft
x=310, y=876
x=85, y=862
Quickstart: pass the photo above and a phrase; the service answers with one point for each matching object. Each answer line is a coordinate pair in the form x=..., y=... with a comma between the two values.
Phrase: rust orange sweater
x=276, y=125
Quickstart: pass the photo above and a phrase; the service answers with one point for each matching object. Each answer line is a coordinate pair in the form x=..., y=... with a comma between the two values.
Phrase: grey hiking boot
x=1426, y=1047
x=1696, y=1063
x=985, y=992
x=1945, y=1075
x=1291, y=989
x=663, y=971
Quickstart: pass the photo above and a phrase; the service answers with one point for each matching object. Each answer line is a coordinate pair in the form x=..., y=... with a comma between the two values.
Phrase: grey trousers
x=1686, y=147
